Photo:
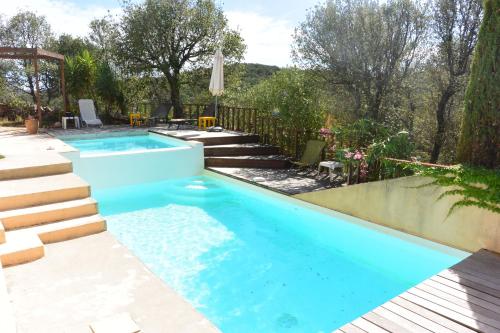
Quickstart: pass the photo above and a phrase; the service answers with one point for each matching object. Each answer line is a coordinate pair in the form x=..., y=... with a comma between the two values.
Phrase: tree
x=291, y=94
x=456, y=23
x=80, y=75
x=165, y=36
x=362, y=46
x=479, y=141
x=26, y=29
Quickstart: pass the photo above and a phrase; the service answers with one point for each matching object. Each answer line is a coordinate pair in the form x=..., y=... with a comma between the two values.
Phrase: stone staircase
x=42, y=201
x=241, y=151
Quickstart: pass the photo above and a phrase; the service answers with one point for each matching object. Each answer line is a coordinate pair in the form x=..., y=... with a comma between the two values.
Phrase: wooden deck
x=464, y=298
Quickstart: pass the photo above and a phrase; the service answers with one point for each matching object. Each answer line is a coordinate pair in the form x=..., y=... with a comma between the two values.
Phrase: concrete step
x=67, y=229
x=227, y=139
x=28, y=192
x=261, y=162
x=27, y=217
x=7, y=318
x=244, y=149
x=20, y=248
x=2, y=233
x=33, y=165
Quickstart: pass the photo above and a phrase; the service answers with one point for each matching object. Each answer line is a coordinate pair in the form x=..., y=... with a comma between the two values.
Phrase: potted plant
x=31, y=124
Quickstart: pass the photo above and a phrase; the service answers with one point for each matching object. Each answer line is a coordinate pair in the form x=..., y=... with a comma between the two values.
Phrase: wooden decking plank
x=478, y=313
x=468, y=290
x=462, y=273
x=478, y=272
x=350, y=328
x=368, y=326
x=405, y=324
x=441, y=288
x=478, y=284
x=487, y=257
x=385, y=323
x=423, y=317
x=450, y=314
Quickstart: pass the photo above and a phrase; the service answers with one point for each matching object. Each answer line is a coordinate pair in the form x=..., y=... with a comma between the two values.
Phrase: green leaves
x=475, y=186
x=290, y=94
x=80, y=75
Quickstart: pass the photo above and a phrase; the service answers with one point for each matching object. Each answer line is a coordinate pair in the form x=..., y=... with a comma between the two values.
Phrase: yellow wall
x=394, y=203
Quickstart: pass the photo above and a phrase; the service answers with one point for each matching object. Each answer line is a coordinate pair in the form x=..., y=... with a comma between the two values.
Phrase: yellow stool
x=135, y=119
x=204, y=122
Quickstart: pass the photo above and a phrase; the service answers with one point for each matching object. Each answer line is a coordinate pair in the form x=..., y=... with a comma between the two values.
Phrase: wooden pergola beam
x=35, y=54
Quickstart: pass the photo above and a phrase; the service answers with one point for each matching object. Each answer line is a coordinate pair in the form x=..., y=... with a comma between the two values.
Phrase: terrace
x=356, y=191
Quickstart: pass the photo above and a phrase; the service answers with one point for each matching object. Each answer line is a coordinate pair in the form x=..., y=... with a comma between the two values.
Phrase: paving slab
x=86, y=280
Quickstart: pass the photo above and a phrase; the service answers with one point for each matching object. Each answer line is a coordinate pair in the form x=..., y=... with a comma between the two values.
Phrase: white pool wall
x=139, y=166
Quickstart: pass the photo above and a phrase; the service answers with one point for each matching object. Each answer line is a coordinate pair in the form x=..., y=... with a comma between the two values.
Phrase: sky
x=266, y=25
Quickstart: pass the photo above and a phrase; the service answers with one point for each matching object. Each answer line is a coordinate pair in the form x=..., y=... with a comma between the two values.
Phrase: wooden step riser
x=36, y=171
x=245, y=163
x=74, y=232
x=28, y=220
x=22, y=257
x=241, y=151
x=2, y=233
x=227, y=140
x=44, y=198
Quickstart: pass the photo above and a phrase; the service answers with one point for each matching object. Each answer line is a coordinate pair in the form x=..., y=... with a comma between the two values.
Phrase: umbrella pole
x=215, y=109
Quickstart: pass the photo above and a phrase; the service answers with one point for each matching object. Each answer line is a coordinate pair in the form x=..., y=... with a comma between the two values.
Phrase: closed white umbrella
x=216, y=86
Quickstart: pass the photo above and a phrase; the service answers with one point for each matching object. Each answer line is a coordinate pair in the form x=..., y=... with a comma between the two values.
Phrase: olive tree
x=363, y=46
x=26, y=30
x=166, y=36
x=455, y=27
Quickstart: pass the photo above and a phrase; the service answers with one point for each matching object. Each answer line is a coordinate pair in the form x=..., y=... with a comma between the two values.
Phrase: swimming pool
x=253, y=261
x=126, y=142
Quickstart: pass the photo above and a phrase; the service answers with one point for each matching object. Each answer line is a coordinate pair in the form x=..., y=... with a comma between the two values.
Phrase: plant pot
x=31, y=126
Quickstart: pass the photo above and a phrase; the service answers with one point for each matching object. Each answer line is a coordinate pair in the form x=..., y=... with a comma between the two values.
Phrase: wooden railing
x=270, y=129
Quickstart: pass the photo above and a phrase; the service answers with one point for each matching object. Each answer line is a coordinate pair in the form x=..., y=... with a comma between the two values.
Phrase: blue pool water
x=119, y=143
x=254, y=263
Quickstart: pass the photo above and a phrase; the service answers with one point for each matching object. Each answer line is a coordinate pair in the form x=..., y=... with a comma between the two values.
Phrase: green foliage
x=480, y=136
x=397, y=146
x=80, y=75
x=164, y=36
x=108, y=88
x=289, y=94
x=359, y=134
x=367, y=47
x=476, y=187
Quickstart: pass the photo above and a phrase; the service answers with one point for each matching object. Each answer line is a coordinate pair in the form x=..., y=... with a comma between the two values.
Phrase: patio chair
x=160, y=114
x=88, y=114
x=312, y=154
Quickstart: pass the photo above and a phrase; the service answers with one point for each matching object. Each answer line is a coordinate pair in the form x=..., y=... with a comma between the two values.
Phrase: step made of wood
x=241, y=150
x=227, y=140
x=67, y=229
x=20, y=248
x=28, y=192
x=27, y=217
x=262, y=162
x=33, y=165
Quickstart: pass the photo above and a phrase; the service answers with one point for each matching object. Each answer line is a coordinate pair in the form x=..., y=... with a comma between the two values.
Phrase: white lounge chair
x=87, y=113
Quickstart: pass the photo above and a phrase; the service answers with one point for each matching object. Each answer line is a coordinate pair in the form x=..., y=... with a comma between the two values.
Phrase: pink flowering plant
x=354, y=159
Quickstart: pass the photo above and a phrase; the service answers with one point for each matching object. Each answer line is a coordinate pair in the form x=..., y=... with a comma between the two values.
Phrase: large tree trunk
x=175, y=94
x=441, y=124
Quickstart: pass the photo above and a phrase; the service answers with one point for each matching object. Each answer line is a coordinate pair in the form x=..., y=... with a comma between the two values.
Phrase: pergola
x=35, y=54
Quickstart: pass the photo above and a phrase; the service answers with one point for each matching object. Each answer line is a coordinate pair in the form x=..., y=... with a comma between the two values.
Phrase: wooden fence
x=270, y=129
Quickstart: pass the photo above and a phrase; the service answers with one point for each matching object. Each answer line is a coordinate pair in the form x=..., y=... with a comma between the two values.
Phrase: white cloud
x=63, y=16
x=268, y=40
